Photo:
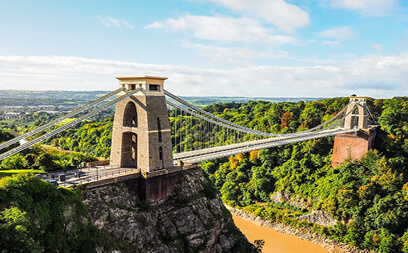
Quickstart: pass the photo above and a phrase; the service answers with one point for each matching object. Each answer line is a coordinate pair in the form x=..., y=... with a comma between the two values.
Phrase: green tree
x=404, y=242
x=45, y=161
x=14, y=236
x=259, y=244
x=29, y=160
x=387, y=243
x=353, y=236
x=13, y=162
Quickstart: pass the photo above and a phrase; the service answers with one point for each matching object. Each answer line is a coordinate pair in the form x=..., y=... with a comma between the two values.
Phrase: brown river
x=275, y=242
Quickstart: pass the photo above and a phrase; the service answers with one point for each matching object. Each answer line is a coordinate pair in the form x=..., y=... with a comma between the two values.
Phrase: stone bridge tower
x=354, y=146
x=359, y=117
x=141, y=129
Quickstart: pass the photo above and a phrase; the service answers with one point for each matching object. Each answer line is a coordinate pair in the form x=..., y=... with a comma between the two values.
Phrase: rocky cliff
x=192, y=219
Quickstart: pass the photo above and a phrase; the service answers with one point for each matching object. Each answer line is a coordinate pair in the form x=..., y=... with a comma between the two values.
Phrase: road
x=85, y=175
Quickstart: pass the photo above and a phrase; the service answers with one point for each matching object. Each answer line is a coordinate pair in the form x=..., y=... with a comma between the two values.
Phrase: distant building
x=50, y=112
x=11, y=115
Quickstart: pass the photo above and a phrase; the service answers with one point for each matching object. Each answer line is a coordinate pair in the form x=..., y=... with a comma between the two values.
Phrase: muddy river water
x=275, y=242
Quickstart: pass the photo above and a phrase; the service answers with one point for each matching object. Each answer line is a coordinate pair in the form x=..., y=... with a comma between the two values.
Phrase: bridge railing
x=94, y=174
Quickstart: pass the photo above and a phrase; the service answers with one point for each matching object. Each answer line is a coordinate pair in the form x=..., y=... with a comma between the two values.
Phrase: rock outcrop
x=192, y=219
x=316, y=216
x=287, y=198
x=319, y=217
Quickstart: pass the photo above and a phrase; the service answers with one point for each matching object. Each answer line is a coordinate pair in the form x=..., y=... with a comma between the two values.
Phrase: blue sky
x=271, y=48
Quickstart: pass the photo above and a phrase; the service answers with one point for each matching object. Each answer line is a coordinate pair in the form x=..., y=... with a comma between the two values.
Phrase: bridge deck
x=233, y=149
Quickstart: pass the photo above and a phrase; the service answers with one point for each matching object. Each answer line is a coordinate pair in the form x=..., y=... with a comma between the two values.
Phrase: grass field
x=65, y=121
x=6, y=173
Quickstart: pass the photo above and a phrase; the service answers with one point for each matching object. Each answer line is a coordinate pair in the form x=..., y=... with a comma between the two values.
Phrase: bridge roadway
x=233, y=149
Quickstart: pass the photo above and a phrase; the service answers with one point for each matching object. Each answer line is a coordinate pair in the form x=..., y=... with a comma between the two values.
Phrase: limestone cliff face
x=192, y=219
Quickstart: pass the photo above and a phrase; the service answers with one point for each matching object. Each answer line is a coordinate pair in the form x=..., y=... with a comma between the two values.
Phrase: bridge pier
x=160, y=187
x=354, y=146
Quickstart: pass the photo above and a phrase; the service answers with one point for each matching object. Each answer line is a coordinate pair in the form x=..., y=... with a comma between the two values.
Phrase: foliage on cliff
x=37, y=217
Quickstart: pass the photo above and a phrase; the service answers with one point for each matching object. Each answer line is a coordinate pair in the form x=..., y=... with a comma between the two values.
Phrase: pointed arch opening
x=129, y=150
x=354, y=122
x=356, y=117
x=130, y=115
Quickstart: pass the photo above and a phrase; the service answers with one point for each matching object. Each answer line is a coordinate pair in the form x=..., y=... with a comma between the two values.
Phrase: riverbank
x=301, y=233
x=274, y=241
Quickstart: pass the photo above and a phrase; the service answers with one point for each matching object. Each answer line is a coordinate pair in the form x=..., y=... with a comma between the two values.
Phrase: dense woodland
x=369, y=198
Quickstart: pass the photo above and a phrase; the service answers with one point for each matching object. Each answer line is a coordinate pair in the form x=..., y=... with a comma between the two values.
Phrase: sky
x=268, y=48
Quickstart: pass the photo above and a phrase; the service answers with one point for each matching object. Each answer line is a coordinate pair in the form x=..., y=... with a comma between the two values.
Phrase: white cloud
x=367, y=7
x=113, y=22
x=372, y=75
x=127, y=24
x=235, y=55
x=387, y=73
x=238, y=52
x=339, y=33
x=378, y=48
x=348, y=55
x=223, y=29
x=285, y=16
x=160, y=25
x=331, y=43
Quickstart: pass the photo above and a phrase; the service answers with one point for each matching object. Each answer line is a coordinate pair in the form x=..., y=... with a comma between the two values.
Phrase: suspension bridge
x=155, y=129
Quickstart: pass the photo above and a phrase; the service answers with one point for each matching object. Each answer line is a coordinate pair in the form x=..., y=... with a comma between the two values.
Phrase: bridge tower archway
x=129, y=150
x=141, y=128
x=130, y=115
x=358, y=117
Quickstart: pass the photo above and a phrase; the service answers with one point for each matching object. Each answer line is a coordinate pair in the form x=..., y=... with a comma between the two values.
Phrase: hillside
x=368, y=199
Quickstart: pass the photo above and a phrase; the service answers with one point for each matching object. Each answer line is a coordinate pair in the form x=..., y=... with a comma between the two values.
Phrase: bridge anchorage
x=157, y=133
